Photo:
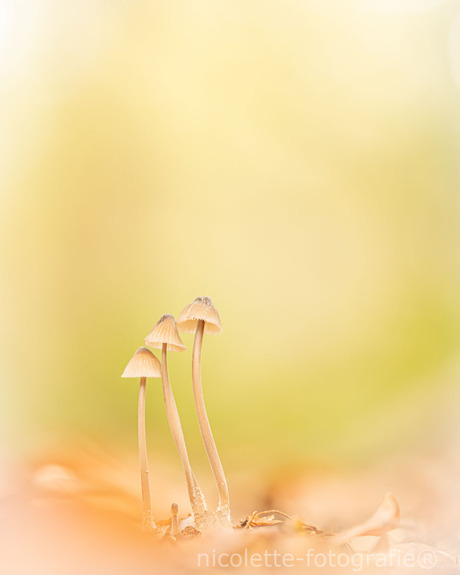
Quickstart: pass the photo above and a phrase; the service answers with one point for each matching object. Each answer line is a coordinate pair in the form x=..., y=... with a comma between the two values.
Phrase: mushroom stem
x=147, y=519
x=224, y=500
x=197, y=500
x=175, y=529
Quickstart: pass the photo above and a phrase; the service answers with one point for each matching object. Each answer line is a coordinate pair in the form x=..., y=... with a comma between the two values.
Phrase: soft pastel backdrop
x=295, y=161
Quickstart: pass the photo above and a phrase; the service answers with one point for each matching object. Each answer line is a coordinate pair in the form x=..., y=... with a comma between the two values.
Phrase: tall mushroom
x=165, y=336
x=143, y=364
x=202, y=317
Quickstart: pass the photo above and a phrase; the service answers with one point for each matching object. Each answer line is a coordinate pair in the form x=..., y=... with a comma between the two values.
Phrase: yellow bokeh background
x=296, y=161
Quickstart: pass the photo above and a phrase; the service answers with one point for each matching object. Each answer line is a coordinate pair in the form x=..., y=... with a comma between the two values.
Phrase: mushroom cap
x=143, y=364
x=202, y=308
x=165, y=331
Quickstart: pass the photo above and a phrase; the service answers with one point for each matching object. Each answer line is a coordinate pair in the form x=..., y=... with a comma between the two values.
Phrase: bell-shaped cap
x=143, y=364
x=202, y=308
x=165, y=331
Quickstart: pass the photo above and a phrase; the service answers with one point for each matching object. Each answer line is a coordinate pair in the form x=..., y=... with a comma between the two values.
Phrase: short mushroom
x=143, y=364
x=202, y=317
x=175, y=529
x=165, y=336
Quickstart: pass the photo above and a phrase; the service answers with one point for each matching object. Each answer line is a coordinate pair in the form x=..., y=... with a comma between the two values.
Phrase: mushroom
x=199, y=317
x=165, y=336
x=175, y=529
x=143, y=364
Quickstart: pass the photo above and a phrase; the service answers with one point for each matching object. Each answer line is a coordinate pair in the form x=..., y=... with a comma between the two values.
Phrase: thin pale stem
x=195, y=482
x=196, y=497
x=205, y=428
x=147, y=519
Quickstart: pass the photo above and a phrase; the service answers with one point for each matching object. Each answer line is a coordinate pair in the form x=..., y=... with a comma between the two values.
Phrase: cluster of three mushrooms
x=200, y=316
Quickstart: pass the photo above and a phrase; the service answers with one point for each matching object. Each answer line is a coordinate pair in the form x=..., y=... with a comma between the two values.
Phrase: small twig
x=305, y=525
x=258, y=513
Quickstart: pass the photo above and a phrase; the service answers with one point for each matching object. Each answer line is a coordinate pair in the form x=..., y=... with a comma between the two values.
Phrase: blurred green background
x=296, y=161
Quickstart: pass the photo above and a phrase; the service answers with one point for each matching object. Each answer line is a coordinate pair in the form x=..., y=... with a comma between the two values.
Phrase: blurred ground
x=80, y=510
